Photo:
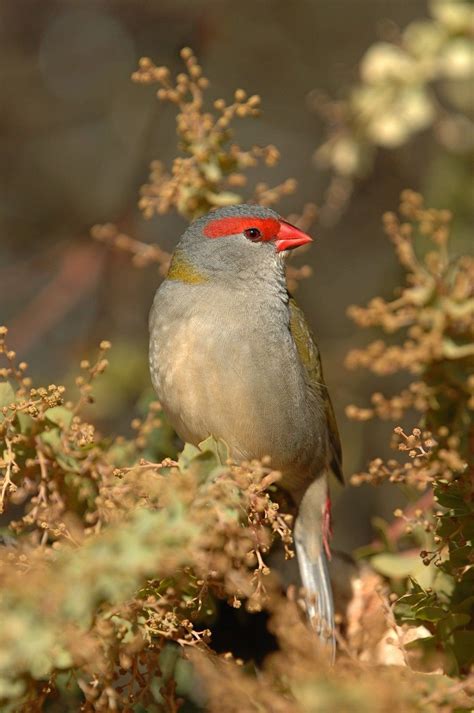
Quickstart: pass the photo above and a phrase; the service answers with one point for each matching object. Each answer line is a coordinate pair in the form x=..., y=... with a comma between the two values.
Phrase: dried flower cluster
x=143, y=254
x=98, y=524
x=211, y=167
x=117, y=560
x=112, y=564
x=436, y=311
x=298, y=680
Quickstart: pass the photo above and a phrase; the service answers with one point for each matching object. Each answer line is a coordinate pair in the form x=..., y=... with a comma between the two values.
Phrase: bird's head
x=235, y=240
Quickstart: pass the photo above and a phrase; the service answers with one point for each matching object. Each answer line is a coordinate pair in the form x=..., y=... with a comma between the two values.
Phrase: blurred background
x=77, y=137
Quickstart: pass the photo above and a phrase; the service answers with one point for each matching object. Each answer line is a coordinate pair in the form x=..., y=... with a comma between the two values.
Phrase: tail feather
x=312, y=532
x=319, y=601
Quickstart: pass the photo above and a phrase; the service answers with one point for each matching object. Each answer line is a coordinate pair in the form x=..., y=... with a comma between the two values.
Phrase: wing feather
x=310, y=357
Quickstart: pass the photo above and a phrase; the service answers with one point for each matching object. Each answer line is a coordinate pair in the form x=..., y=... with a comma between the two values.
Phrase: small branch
x=143, y=254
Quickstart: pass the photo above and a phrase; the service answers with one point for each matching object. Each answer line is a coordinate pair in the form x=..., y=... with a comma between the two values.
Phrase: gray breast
x=224, y=363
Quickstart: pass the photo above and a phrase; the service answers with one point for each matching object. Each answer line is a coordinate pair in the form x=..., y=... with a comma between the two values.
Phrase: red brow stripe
x=269, y=227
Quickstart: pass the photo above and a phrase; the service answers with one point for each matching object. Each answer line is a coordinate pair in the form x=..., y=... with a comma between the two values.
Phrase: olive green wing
x=308, y=353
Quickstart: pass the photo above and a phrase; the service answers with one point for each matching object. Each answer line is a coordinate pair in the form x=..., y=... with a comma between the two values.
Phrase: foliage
x=210, y=168
x=436, y=311
x=114, y=558
x=211, y=165
x=117, y=561
x=115, y=564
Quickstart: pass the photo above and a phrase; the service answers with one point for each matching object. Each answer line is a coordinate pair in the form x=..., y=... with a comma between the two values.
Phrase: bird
x=232, y=356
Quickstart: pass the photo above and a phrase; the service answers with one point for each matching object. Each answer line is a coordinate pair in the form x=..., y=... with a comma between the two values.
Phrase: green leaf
x=202, y=464
x=444, y=584
x=60, y=416
x=7, y=395
x=430, y=613
x=398, y=566
x=413, y=599
x=465, y=606
x=405, y=612
x=453, y=621
x=188, y=453
x=218, y=447
x=25, y=422
x=408, y=606
x=207, y=460
x=446, y=526
x=460, y=556
x=52, y=438
x=415, y=587
x=451, y=663
x=452, y=500
x=468, y=528
x=464, y=647
x=427, y=643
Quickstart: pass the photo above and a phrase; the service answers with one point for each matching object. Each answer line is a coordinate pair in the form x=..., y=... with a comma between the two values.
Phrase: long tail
x=310, y=544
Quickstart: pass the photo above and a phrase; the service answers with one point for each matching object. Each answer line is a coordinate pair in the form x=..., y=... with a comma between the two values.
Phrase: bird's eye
x=252, y=233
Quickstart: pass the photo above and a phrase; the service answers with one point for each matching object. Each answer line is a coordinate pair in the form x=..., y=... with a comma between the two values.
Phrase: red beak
x=289, y=237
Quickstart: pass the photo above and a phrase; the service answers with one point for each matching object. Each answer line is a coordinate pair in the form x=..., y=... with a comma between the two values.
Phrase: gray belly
x=239, y=383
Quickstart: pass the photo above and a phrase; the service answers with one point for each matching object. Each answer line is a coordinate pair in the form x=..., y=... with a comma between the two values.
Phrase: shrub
x=113, y=559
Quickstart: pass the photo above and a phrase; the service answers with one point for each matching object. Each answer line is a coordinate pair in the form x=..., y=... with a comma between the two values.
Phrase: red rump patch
x=221, y=227
x=327, y=526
